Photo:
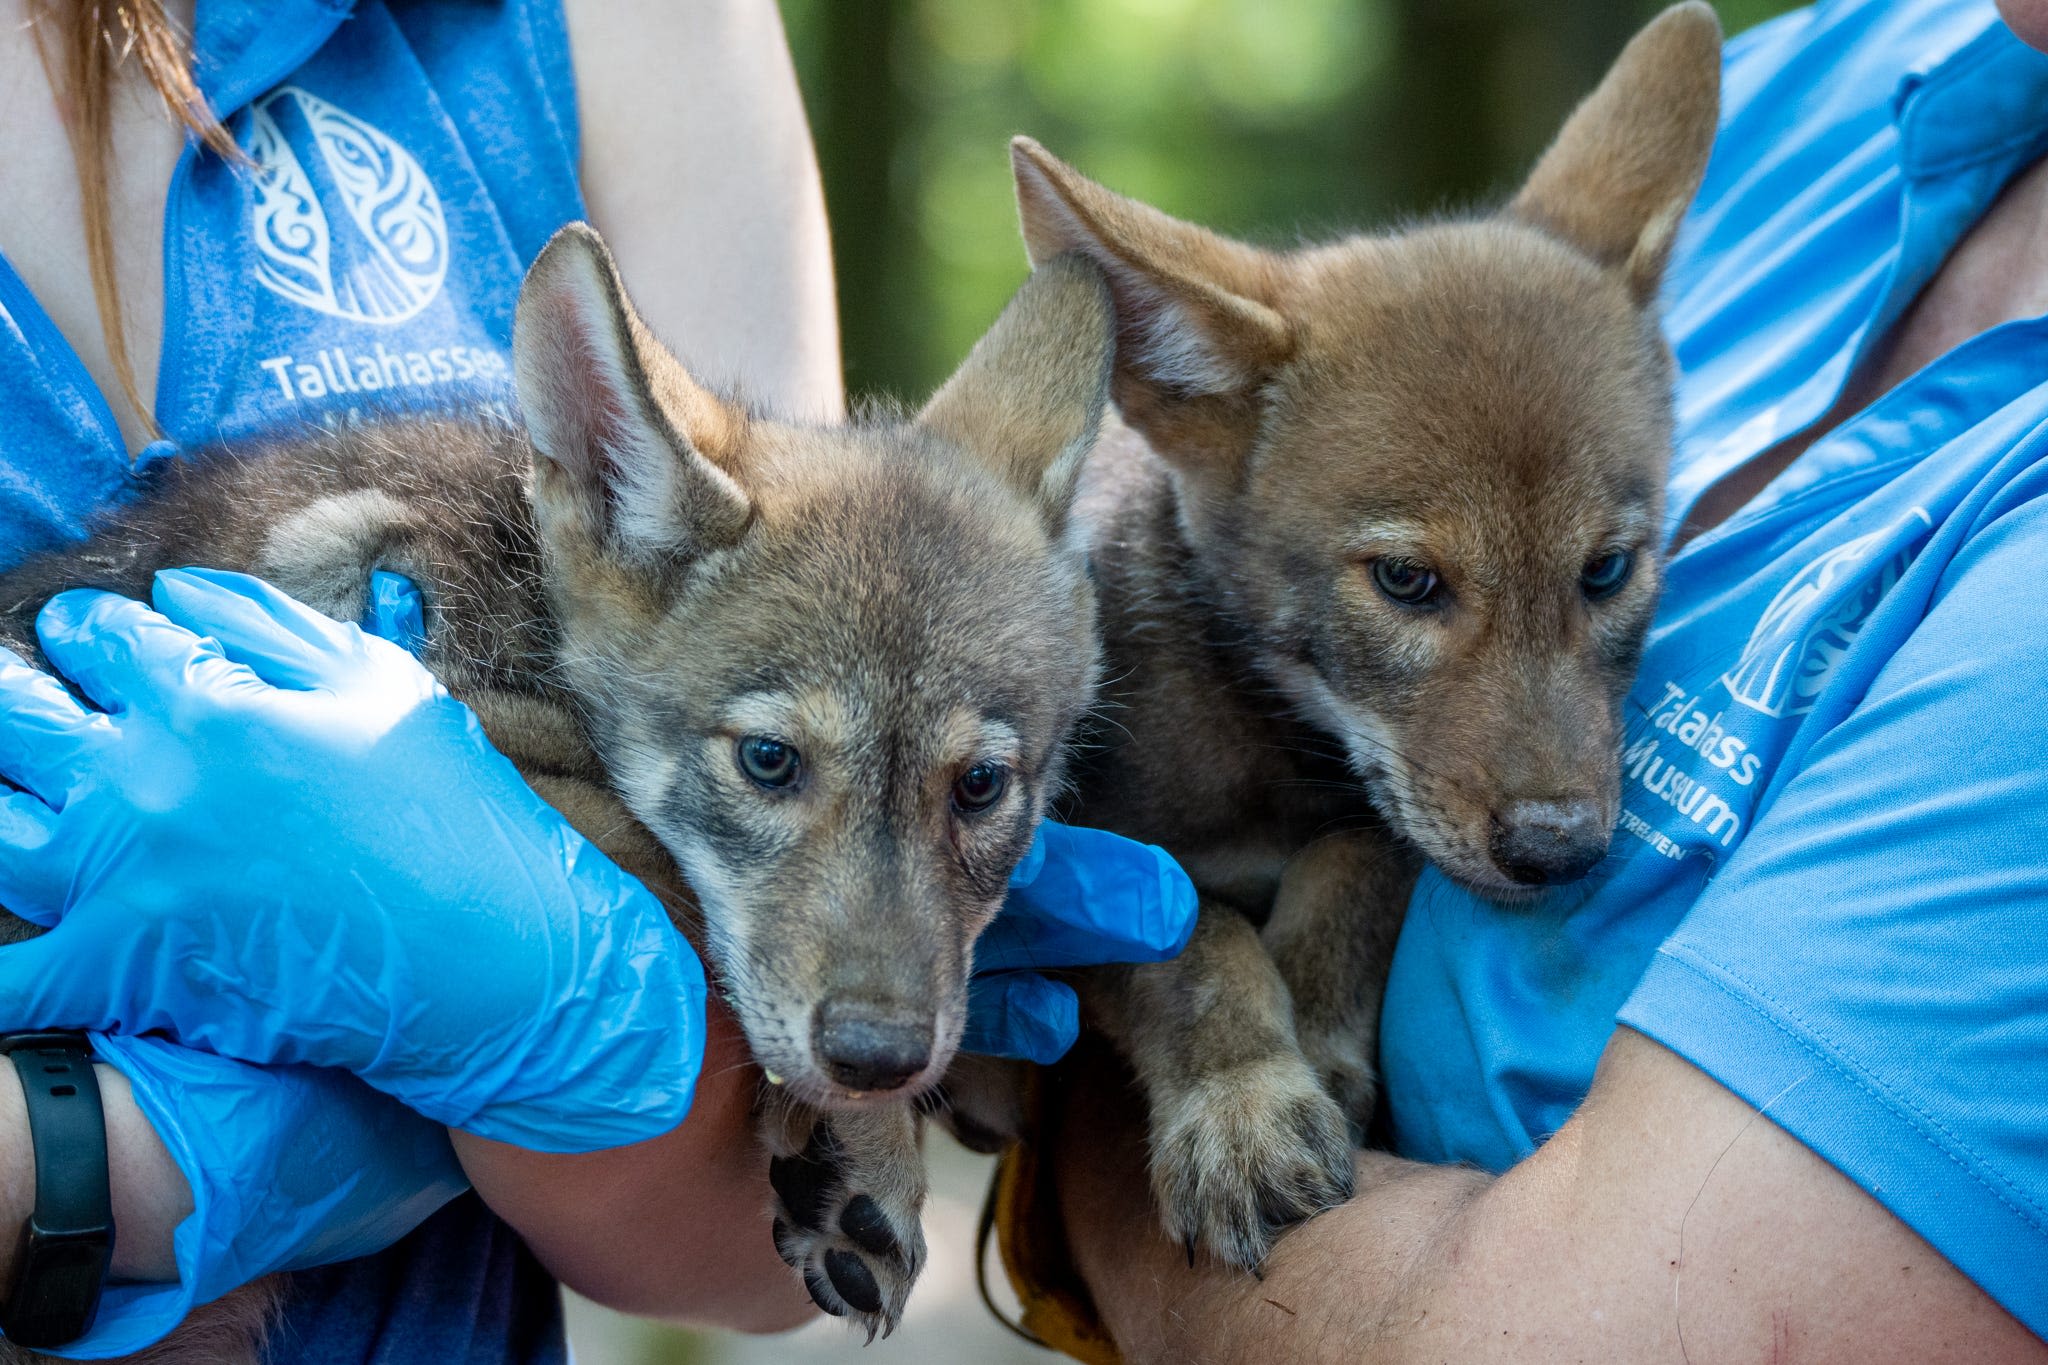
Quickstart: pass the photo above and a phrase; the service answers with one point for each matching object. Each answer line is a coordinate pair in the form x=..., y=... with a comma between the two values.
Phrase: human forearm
x=150, y=1194
x=1668, y=1221
x=675, y=1227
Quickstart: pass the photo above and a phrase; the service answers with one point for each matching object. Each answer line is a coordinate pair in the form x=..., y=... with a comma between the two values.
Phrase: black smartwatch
x=61, y=1260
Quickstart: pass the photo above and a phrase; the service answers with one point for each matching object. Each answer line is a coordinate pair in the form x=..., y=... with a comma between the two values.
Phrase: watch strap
x=61, y=1261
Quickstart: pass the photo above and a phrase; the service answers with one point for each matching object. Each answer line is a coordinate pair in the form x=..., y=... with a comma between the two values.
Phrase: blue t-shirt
x=1829, y=888
x=408, y=160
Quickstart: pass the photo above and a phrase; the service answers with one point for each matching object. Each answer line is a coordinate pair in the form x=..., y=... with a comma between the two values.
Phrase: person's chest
x=360, y=257
x=41, y=219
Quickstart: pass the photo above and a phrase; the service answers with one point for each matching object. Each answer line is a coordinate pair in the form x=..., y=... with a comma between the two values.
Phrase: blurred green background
x=1273, y=119
x=1269, y=119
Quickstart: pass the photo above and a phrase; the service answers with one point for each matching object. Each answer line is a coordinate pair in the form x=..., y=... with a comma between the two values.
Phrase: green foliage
x=1275, y=119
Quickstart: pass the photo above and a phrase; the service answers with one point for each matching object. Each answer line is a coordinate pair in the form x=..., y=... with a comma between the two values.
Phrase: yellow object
x=1023, y=1213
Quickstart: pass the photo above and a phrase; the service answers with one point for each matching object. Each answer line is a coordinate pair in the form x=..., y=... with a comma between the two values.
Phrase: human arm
x=675, y=1227
x=315, y=953
x=221, y=1173
x=151, y=1195
x=697, y=167
x=1667, y=1205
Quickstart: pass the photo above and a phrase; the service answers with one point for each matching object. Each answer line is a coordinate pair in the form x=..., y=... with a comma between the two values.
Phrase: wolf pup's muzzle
x=1548, y=843
x=869, y=1047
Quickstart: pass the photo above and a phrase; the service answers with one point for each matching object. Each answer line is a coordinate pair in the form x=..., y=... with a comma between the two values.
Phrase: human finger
x=1097, y=898
x=45, y=734
x=278, y=638
x=119, y=652
x=32, y=878
x=1021, y=1015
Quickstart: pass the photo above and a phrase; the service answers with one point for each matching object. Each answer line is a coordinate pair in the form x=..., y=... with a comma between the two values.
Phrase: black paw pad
x=867, y=1227
x=804, y=1186
x=854, y=1281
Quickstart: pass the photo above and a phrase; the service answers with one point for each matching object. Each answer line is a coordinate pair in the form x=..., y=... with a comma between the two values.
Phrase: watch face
x=57, y=1288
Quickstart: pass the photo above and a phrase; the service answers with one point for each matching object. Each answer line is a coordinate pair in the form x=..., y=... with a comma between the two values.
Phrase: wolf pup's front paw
x=847, y=1207
x=1241, y=1156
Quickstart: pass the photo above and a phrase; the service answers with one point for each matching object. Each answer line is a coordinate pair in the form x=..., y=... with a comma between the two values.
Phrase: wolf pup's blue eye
x=1604, y=576
x=1405, y=581
x=768, y=761
x=980, y=787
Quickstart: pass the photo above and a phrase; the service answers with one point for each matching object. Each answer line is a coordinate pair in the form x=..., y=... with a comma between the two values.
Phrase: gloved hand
x=1079, y=898
x=283, y=841
x=289, y=1167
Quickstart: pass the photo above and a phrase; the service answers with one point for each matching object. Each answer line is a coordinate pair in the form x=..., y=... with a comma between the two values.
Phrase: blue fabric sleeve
x=1871, y=965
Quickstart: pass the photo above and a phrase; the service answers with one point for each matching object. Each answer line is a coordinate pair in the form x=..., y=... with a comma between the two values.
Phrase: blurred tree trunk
x=1478, y=89
x=859, y=118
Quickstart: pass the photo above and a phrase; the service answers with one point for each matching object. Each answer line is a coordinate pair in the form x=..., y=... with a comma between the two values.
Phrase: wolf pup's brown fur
x=1376, y=557
x=648, y=578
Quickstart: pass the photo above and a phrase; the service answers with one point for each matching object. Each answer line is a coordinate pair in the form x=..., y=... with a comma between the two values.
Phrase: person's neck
x=1998, y=272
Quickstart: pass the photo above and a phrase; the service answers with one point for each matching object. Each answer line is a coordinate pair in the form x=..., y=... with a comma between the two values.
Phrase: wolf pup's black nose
x=1543, y=843
x=869, y=1047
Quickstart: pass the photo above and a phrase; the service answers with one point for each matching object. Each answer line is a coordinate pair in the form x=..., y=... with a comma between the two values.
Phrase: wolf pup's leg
x=1244, y=1140
x=1332, y=935
x=849, y=1200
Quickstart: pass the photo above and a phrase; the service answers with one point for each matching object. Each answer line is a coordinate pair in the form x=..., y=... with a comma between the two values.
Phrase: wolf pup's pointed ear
x=1627, y=163
x=1029, y=399
x=635, y=455
x=1194, y=335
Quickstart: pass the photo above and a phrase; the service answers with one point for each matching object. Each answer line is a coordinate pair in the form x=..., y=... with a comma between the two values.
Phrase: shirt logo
x=1806, y=632
x=344, y=219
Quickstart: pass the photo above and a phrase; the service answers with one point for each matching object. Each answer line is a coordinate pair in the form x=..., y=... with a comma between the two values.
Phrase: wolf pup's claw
x=858, y=1252
x=1247, y=1154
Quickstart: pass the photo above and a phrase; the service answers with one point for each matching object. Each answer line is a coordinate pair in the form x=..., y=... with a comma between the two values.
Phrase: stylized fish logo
x=1805, y=633
x=345, y=220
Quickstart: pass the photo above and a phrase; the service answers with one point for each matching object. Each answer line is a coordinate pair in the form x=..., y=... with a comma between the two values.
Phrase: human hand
x=287, y=1167
x=282, y=841
x=1080, y=898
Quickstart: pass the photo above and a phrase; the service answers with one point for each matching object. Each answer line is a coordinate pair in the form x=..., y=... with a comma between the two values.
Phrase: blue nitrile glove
x=395, y=610
x=1080, y=898
x=289, y=1167
x=283, y=841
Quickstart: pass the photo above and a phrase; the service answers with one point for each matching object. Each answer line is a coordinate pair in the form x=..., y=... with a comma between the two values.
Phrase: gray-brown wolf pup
x=1376, y=557
x=828, y=673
